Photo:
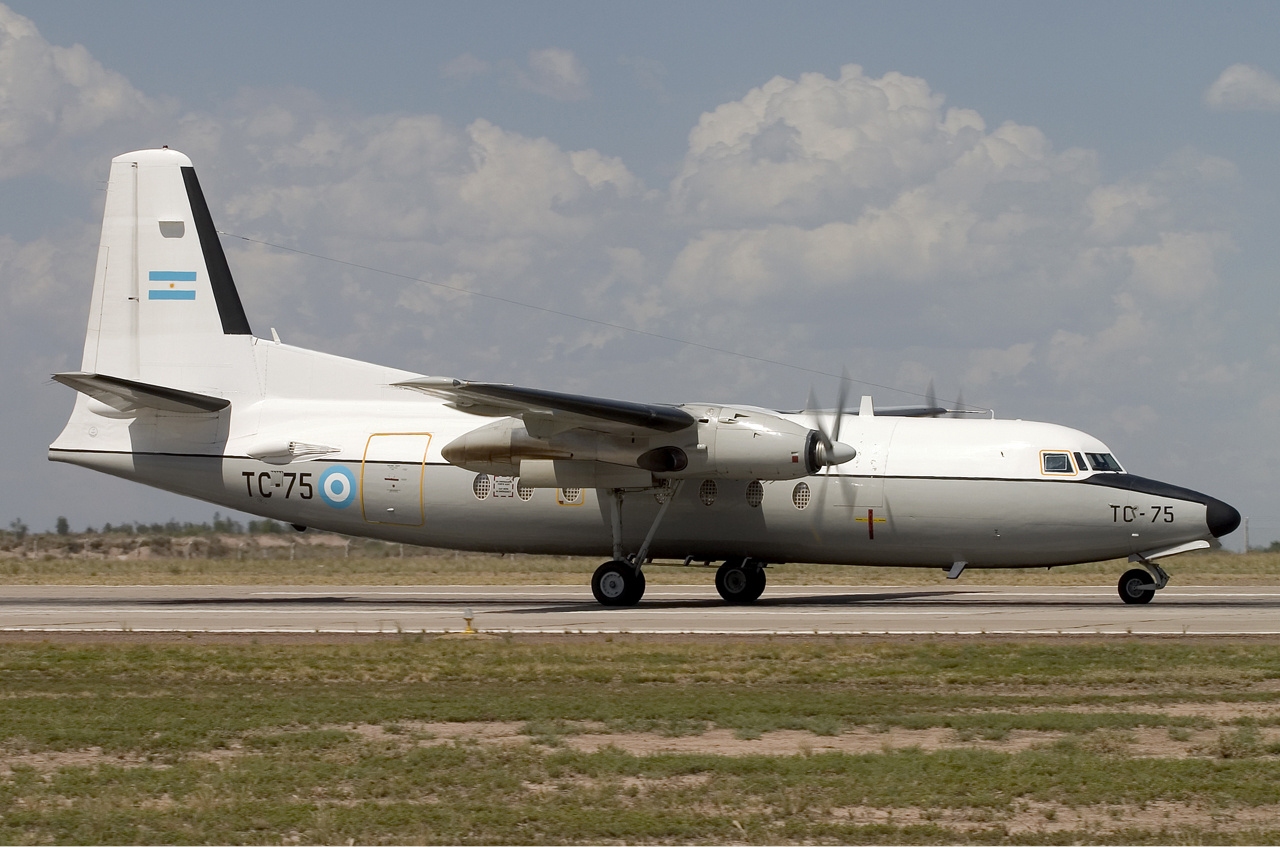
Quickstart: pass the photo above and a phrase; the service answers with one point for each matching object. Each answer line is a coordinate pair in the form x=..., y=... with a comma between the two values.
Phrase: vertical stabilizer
x=165, y=309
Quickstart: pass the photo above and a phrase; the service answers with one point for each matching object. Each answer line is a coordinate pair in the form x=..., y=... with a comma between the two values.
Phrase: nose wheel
x=1136, y=586
x=740, y=581
x=617, y=583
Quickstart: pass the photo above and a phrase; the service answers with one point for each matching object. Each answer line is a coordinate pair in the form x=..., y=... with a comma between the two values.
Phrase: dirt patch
x=787, y=742
x=590, y=737
x=1218, y=712
x=422, y=732
x=1028, y=818
x=51, y=760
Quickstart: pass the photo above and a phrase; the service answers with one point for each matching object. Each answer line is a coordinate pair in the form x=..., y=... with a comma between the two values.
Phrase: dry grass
x=630, y=740
x=325, y=559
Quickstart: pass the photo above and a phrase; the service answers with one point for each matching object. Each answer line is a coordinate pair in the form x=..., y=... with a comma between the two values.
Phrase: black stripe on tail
x=234, y=320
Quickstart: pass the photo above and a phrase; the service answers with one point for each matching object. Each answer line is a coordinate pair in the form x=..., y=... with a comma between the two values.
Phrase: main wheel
x=1135, y=586
x=740, y=581
x=617, y=583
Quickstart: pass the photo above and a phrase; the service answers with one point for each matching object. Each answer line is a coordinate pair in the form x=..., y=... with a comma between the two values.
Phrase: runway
x=790, y=610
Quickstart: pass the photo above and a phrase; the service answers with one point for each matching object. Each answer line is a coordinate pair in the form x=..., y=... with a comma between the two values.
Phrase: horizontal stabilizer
x=486, y=398
x=904, y=412
x=126, y=395
x=911, y=411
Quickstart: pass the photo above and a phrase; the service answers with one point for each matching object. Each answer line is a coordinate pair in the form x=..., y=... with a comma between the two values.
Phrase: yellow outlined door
x=391, y=477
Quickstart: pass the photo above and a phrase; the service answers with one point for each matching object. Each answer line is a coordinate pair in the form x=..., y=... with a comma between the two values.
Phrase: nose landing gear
x=1136, y=586
x=1139, y=585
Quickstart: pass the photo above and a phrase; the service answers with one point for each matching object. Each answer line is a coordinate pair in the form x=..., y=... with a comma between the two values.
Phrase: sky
x=1062, y=212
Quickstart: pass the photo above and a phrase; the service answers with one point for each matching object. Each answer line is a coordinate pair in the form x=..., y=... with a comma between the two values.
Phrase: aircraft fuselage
x=920, y=492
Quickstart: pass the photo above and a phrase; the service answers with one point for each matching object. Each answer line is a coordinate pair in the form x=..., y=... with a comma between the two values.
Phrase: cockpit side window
x=1056, y=463
x=1080, y=462
x=1104, y=462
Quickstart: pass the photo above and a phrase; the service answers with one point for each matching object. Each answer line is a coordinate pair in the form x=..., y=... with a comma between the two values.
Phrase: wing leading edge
x=492, y=399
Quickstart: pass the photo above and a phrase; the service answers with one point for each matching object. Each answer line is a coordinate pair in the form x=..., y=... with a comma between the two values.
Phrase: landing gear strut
x=620, y=582
x=740, y=581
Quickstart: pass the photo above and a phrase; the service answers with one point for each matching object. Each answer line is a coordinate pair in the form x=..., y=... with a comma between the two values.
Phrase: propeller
x=829, y=450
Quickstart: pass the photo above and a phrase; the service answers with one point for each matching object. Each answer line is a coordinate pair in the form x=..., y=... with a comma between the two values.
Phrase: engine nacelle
x=725, y=443
x=745, y=443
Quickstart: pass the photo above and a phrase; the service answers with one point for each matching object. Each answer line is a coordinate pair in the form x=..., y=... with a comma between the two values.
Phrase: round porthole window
x=755, y=493
x=482, y=486
x=800, y=495
x=523, y=491
x=707, y=492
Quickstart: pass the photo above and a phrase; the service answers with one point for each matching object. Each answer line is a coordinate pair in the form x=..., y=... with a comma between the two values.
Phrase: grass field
x=596, y=740
x=388, y=564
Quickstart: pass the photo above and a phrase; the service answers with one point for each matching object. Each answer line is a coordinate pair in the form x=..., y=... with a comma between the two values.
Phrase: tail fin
x=165, y=310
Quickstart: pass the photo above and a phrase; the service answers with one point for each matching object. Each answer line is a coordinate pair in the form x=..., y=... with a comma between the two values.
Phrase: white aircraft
x=176, y=392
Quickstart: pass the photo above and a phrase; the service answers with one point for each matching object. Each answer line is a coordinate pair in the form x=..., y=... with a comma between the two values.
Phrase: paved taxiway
x=1191, y=610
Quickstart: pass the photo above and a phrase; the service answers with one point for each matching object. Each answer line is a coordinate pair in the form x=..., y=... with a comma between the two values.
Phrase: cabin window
x=1056, y=463
x=1104, y=462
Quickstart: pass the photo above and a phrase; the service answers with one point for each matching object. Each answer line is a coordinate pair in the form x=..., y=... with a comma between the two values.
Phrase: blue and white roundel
x=338, y=486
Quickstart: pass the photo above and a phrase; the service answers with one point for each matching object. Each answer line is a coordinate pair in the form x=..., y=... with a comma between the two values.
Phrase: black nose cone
x=1221, y=518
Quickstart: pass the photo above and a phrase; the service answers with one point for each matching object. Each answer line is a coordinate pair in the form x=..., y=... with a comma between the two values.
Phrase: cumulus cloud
x=52, y=96
x=1180, y=267
x=555, y=73
x=1244, y=88
x=862, y=193
x=819, y=148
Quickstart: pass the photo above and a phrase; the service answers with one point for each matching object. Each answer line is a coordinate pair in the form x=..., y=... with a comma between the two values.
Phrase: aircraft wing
x=563, y=410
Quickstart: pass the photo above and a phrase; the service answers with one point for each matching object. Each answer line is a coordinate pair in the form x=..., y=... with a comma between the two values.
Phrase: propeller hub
x=840, y=453
x=824, y=453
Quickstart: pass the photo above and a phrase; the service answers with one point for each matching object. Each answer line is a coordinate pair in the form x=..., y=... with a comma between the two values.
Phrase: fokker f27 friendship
x=176, y=392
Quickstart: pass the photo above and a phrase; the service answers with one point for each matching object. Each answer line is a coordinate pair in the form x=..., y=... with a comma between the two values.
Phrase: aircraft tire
x=617, y=583
x=740, y=581
x=1131, y=590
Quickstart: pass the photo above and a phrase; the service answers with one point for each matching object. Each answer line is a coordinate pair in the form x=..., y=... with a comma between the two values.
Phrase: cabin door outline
x=392, y=478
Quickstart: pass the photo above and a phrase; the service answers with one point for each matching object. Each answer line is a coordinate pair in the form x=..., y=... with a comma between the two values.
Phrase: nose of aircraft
x=1220, y=517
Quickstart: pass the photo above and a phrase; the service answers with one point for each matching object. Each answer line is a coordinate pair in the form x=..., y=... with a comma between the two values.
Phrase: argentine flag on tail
x=173, y=291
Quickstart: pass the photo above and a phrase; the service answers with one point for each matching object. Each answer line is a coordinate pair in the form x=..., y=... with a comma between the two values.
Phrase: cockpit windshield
x=1104, y=462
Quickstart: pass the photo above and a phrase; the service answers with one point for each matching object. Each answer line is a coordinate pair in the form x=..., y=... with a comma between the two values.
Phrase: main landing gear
x=1139, y=585
x=620, y=582
x=740, y=581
